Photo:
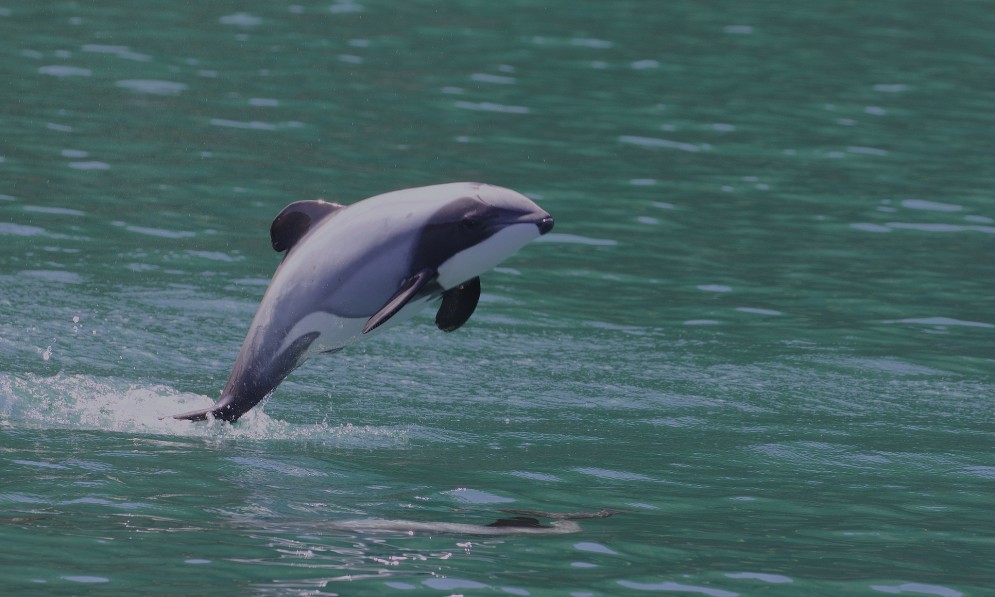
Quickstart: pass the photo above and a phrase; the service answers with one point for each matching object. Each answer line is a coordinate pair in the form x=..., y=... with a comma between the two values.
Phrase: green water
x=762, y=331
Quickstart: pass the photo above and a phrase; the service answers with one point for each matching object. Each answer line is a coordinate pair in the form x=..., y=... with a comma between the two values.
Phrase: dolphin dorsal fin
x=296, y=219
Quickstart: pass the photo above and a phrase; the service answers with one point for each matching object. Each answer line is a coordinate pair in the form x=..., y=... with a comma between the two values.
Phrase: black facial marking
x=456, y=226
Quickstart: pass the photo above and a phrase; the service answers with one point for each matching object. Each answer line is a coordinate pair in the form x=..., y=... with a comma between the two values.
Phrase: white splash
x=110, y=404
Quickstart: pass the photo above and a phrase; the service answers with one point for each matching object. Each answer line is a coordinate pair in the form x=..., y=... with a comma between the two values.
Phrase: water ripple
x=496, y=79
x=941, y=227
x=768, y=578
x=491, y=107
x=159, y=232
x=657, y=143
x=152, y=86
x=476, y=496
x=239, y=124
x=241, y=19
x=89, y=165
x=574, y=239
x=58, y=70
x=7, y=228
x=930, y=205
x=603, y=473
x=917, y=588
x=120, y=51
x=87, y=579
x=940, y=321
x=676, y=587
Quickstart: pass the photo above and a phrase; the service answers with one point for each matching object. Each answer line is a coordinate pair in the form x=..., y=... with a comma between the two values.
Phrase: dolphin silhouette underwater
x=524, y=522
x=351, y=271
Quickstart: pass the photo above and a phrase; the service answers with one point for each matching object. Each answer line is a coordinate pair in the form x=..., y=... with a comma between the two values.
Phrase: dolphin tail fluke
x=195, y=415
x=225, y=409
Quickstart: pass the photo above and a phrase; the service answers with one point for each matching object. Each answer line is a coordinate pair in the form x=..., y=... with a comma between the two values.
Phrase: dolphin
x=502, y=526
x=525, y=522
x=352, y=271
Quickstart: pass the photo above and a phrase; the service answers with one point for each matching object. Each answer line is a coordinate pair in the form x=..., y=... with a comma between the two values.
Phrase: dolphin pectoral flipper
x=296, y=219
x=409, y=289
x=458, y=305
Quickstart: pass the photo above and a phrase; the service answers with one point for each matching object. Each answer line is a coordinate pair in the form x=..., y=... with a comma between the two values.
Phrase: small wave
x=54, y=275
x=345, y=7
x=495, y=79
x=241, y=19
x=239, y=124
x=160, y=232
x=476, y=496
x=930, y=205
x=58, y=211
x=758, y=311
x=941, y=227
x=574, y=239
x=119, y=51
x=6, y=228
x=590, y=42
x=940, y=321
x=152, y=87
x=738, y=29
x=656, y=143
x=918, y=589
x=613, y=475
x=670, y=586
x=59, y=70
x=215, y=256
x=89, y=165
x=492, y=107
x=774, y=579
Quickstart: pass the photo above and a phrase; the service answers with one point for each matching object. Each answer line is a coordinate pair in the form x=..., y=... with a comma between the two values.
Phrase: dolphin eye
x=470, y=223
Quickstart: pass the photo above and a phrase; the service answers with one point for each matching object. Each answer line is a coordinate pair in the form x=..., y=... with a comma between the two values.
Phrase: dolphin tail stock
x=251, y=381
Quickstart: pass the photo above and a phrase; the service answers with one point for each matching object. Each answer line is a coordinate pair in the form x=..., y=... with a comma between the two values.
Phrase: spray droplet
x=75, y=318
x=46, y=354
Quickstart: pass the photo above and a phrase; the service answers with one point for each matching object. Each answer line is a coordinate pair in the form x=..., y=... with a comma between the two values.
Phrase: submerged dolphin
x=525, y=522
x=520, y=526
x=348, y=270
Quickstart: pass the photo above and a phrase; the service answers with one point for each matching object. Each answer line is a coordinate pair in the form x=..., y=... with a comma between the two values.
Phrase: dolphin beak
x=545, y=225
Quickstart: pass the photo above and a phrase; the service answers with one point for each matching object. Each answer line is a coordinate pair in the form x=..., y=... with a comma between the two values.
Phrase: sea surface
x=761, y=336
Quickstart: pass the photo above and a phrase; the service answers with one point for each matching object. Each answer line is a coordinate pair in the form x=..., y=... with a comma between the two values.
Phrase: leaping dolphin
x=351, y=271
